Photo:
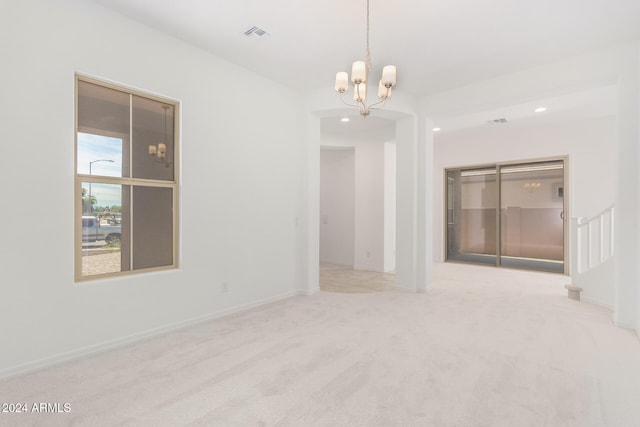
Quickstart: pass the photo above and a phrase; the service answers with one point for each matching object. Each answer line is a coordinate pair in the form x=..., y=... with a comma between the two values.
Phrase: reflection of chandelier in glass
x=359, y=74
x=532, y=186
x=159, y=152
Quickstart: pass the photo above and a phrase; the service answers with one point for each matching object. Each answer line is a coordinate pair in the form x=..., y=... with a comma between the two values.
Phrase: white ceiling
x=436, y=44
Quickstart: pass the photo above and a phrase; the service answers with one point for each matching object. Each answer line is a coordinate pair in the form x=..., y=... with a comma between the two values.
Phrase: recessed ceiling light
x=436, y=129
x=345, y=119
x=540, y=109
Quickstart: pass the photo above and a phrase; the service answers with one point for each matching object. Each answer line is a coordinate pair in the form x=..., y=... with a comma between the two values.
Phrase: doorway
x=358, y=206
x=510, y=215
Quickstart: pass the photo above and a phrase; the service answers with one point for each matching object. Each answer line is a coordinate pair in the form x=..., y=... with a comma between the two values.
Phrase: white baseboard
x=47, y=362
x=595, y=302
x=625, y=325
x=406, y=289
x=308, y=292
x=337, y=262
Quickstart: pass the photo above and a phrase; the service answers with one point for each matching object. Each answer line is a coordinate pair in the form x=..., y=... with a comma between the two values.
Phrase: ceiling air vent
x=497, y=121
x=256, y=33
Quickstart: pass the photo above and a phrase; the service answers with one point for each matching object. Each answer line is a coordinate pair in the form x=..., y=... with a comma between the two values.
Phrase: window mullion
x=131, y=187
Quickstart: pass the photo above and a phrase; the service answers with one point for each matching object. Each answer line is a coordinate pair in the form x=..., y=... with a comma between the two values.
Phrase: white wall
x=240, y=184
x=627, y=194
x=337, y=206
x=390, y=195
x=369, y=245
x=589, y=145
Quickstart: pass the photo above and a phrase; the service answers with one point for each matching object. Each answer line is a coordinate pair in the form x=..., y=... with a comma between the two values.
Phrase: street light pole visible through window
x=91, y=164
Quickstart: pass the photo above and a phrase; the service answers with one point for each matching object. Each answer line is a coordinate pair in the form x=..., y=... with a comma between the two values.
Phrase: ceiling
x=435, y=44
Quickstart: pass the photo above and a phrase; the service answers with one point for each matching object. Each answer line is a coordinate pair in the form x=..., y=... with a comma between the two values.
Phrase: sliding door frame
x=498, y=166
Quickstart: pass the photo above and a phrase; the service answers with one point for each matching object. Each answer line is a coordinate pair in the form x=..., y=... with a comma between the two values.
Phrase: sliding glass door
x=508, y=215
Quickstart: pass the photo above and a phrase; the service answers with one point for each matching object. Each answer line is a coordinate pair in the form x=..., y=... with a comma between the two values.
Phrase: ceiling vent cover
x=497, y=121
x=256, y=33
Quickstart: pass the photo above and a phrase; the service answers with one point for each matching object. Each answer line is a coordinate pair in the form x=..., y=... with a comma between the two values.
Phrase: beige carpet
x=485, y=347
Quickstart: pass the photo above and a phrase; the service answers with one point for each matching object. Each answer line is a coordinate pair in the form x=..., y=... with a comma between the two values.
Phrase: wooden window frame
x=130, y=181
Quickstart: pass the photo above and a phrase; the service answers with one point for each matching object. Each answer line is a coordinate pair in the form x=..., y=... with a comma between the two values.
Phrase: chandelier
x=359, y=76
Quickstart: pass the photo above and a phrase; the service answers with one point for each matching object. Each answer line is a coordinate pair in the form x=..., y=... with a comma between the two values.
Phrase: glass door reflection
x=508, y=215
x=532, y=216
x=471, y=215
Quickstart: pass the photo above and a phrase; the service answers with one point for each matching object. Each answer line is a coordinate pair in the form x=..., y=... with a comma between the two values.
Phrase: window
x=126, y=181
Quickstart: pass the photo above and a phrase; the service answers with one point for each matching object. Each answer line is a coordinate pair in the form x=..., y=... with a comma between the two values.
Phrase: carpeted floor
x=485, y=347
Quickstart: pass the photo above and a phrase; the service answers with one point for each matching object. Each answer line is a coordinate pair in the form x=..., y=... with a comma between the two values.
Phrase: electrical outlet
x=224, y=287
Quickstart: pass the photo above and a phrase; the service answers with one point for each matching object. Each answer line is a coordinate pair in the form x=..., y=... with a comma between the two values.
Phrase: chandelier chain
x=368, y=56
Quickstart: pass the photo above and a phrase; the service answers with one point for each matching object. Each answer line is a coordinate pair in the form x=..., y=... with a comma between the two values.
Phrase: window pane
x=532, y=225
x=153, y=145
x=153, y=227
x=471, y=215
x=103, y=131
x=104, y=228
x=99, y=155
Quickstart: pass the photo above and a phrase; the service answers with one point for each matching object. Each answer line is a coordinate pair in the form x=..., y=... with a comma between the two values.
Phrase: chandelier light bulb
x=359, y=72
x=384, y=92
x=389, y=75
x=342, y=81
x=360, y=92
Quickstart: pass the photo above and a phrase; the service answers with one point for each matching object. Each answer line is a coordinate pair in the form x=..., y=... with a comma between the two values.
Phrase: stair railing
x=592, y=240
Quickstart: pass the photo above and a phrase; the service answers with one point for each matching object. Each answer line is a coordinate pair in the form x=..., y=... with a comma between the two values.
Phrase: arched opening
x=413, y=157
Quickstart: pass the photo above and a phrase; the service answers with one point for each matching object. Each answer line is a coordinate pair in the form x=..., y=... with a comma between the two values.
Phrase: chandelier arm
x=346, y=103
x=373, y=106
